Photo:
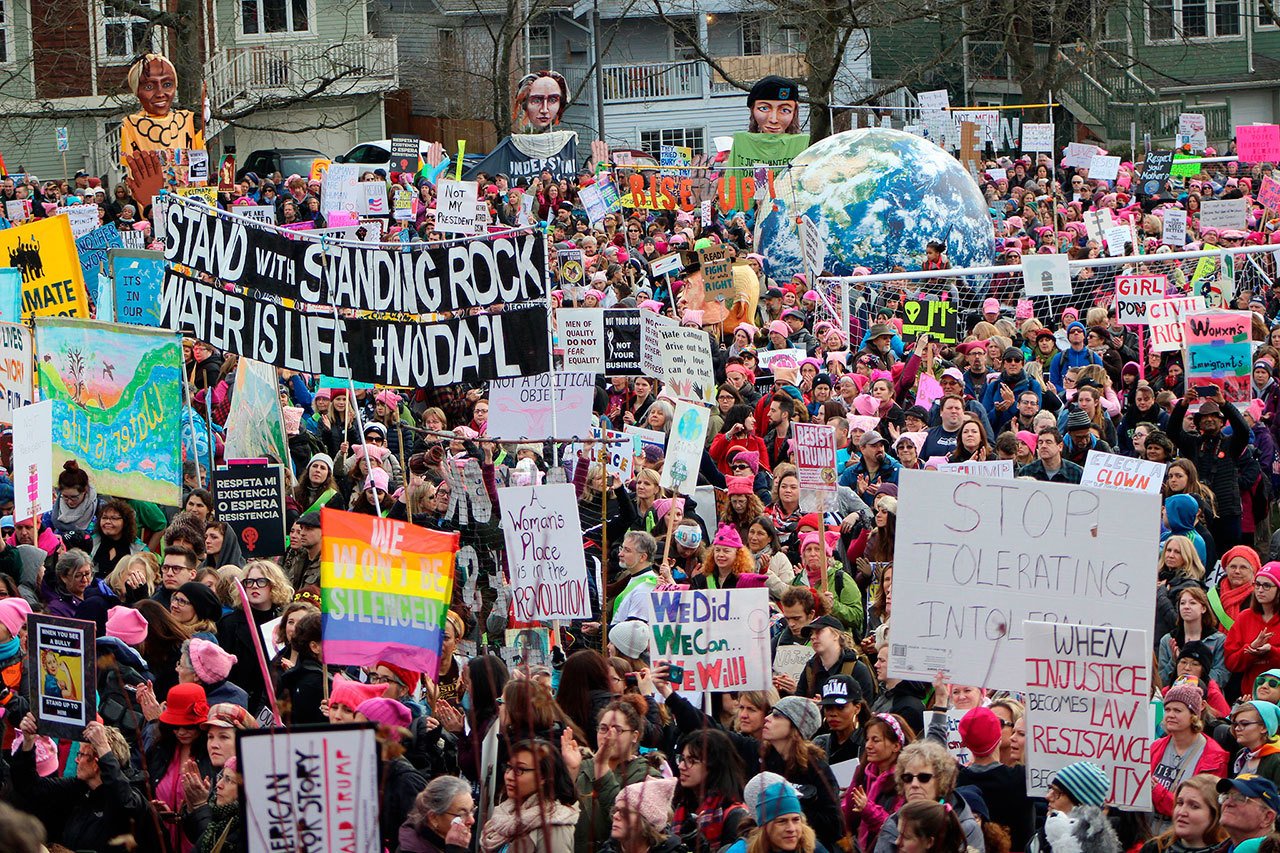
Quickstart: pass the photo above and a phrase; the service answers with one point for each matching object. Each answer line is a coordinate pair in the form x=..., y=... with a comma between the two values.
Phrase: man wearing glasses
x=1249, y=806
x=179, y=567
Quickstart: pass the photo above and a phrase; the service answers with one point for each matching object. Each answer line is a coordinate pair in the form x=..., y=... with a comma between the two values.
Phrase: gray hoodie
x=887, y=842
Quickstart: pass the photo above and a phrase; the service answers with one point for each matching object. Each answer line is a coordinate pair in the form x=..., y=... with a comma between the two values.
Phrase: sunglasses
x=922, y=778
x=1267, y=682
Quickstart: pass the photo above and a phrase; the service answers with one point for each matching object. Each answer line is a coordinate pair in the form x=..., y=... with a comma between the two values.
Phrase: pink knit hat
x=739, y=485
x=651, y=799
x=727, y=537
x=210, y=662
x=750, y=458
x=126, y=625
x=13, y=613
x=386, y=712
x=353, y=694
x=46, y=753
x=377, y=479
x=1270, y=571
x=780, y=327
x=662, y=506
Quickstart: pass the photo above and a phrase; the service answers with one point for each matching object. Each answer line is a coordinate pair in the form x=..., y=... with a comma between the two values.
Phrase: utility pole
x=595, y=50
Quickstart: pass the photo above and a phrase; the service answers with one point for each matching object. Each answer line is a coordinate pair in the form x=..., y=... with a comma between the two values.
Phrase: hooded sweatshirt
x=1181, y=511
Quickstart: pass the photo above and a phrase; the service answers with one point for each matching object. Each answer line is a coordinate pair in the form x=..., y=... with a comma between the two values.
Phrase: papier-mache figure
x=540, y=101
x=157, y=127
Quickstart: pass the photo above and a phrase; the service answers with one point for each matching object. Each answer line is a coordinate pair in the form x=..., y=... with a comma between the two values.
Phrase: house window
x=1193, y=19
x=540, y=48
x=684, y=44
x=264, y=17
x=1264, y=14
x=687, y=137
x=752, y=37
x=124, y=37
x=6, y=27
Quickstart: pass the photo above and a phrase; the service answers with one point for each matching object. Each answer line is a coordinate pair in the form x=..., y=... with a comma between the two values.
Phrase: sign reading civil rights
x=1165, y=317
x=521, y=409
x=719, y=636
x=544, y=552
x=1088, y=699
x=385, y=588
x=979, y=556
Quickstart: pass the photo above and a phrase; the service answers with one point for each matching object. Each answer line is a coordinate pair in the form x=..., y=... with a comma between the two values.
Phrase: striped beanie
x=1085, y=782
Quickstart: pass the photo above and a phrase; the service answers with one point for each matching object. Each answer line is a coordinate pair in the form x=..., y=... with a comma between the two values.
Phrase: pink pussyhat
x=727, y=537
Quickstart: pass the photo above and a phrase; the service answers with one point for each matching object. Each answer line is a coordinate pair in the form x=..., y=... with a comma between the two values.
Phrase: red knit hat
x=407, y=677
x=980, y=731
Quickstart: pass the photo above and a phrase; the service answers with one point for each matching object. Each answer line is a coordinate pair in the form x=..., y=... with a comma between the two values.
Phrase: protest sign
x=813, y=247
x=1109, y=471
x=646, y=438
x=527, y=155
x=1046, y=275
x=1104, y=167
x=570, y=273
x=473, y=348
x=1192, y=130
x=375, y=198
x=717, y=273
x=62, y=669
x=340, y=189
x=32, y=460
x=720, y=637
x=954, y=744
x=548, y=569
x=787, y=359
x=1116, y=237
x=405, y=149
x=814, y=455
x=44, y=252
x=16, y=384
x=651, y=323
x=117, y=394
x=997, y=468
x=622, y=342
x=1165, y=319
x=1269, y=193
x=791, y=660
x=468, y=274
x=684, y=447
x=104, y=298
x=1224, y=213
x=386, y=586
x=1183, y=169
x=1258, y=143
x=619, y=456
x=520, y=409
x=1174, y=230
x=581, y=336
x=1096, y=223
x=456, y=206
x=594, y=204
x=401, y=205
x=1088, y=699
x=311, y=788
x=202, y=195
x=666, y=265
x=82, y=218
x=197, y=165
x=1037, y=137
x=255, y=425
x=137, y=277
x=1133, y=292
x=1079, y=155
x=1219, y=353
x=933, y=317
x=1155, y=171
x=686, y=363
x=92, y=249
x=977, y=556
x=250, y=499
x=10, y=295
x=264, y=213
x=17, y=210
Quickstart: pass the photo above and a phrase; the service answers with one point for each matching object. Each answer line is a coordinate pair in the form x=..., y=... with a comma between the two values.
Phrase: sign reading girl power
x=719, y=636
x=979, y=556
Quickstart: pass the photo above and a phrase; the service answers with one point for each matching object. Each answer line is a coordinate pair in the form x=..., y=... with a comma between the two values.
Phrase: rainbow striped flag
x=385, y=588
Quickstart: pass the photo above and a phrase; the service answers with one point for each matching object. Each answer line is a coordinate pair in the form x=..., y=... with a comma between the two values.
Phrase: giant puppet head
x=157, y=128
x=774, y=103
x=541, y=99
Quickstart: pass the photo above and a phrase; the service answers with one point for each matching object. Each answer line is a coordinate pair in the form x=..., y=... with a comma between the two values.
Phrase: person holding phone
x=1216, y=455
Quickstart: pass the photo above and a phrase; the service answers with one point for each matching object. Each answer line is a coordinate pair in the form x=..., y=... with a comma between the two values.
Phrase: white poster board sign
x=1104, y=167
x=976, y=557
x=16, y=383
x=1088, y=699
x=650, y=341
x=686, y=363
x=83, y=218
x=1224, y=213
x=719, y=636
x=309, y=788
x=1079, y=155
x=1193, y=131
x=544, y=552
x=32, y=460
x=520, y=409
x=1001, y=469
x=456, y=206
x=340, y=189
x=1046, y=275
x=1037, y=137
x=581, y=334
x=1133, y=292
x=791, y=659
x=684, y=447
x=1110, y=471
x=1165, y=319
x=1174, y=230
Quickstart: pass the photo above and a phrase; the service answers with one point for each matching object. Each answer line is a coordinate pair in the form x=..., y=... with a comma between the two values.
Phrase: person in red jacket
x=1184, y=751
x=1250, y=650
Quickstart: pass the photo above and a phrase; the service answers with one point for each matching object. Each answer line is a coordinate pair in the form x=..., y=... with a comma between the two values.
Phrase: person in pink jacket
x=1184, y=751
x=873, y=795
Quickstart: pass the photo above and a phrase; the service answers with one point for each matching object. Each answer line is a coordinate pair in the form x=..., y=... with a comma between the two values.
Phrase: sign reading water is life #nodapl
x=249, y=499
x=405, y=355
x=981, y=556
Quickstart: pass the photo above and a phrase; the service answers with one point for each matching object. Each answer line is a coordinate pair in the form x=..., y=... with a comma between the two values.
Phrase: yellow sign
x=44, y=252
x=319, y=167
x=208, y=194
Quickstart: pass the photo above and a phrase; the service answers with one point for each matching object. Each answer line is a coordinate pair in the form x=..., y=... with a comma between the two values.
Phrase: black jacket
x=1005, y=791
x=234, y=637
x=401, y=784
x=304, y=685
x=1216, y=458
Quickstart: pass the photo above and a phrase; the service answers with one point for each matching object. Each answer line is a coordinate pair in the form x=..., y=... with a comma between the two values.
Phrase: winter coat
x=888, y=839
x=1242, y=633
x=1213, y=759
x=883, y=800
x=424, y=841
x=234, y=637
x=819, y=795
x=537, y=827
x=1168, y=662
x=1216, y=458
x=401, y=784
x=597, y=795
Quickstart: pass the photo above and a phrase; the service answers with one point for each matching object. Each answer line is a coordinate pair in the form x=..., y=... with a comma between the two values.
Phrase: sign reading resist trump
x=978, y=556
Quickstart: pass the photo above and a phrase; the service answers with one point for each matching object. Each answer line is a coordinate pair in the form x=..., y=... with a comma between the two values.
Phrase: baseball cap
x=840, y=690
x=1254, y=787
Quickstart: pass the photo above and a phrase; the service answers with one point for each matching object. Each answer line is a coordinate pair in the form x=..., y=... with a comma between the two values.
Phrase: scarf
x=10, y=649
x=1233, y=599
x=79, y=518
x=223, y=817
x=1268, y=748
x=707, y=822
x=506, y=823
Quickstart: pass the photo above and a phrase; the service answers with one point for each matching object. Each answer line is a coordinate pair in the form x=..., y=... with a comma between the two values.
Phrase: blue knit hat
x=777, y=800
x=1268, y=712
x=1085, y=782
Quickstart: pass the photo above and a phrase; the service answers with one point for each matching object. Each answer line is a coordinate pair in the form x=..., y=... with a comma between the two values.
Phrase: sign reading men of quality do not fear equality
x=981, y=556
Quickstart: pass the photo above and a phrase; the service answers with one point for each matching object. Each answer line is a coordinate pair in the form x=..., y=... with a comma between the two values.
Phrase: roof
x=1266, y=69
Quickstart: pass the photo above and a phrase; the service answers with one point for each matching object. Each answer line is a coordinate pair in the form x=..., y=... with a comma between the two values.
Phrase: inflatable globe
x=878, y=196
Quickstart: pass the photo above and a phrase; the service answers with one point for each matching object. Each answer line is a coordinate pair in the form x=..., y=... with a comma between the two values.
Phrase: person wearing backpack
x=833, y=654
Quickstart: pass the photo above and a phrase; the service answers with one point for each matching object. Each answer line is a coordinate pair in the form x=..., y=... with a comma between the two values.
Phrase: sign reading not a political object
x=1088, y=699
x=719, y=636
x=544, y=552
x=1133, y=292
x=249, y=498
x=520, y=409
x=981, y=556
x=62, y=668
x=311, y=788
x=1110, y=471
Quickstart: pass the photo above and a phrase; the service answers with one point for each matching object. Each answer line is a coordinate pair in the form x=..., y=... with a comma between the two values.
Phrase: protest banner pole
x=604, y=551
x=551, y=346
x=257, y=649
